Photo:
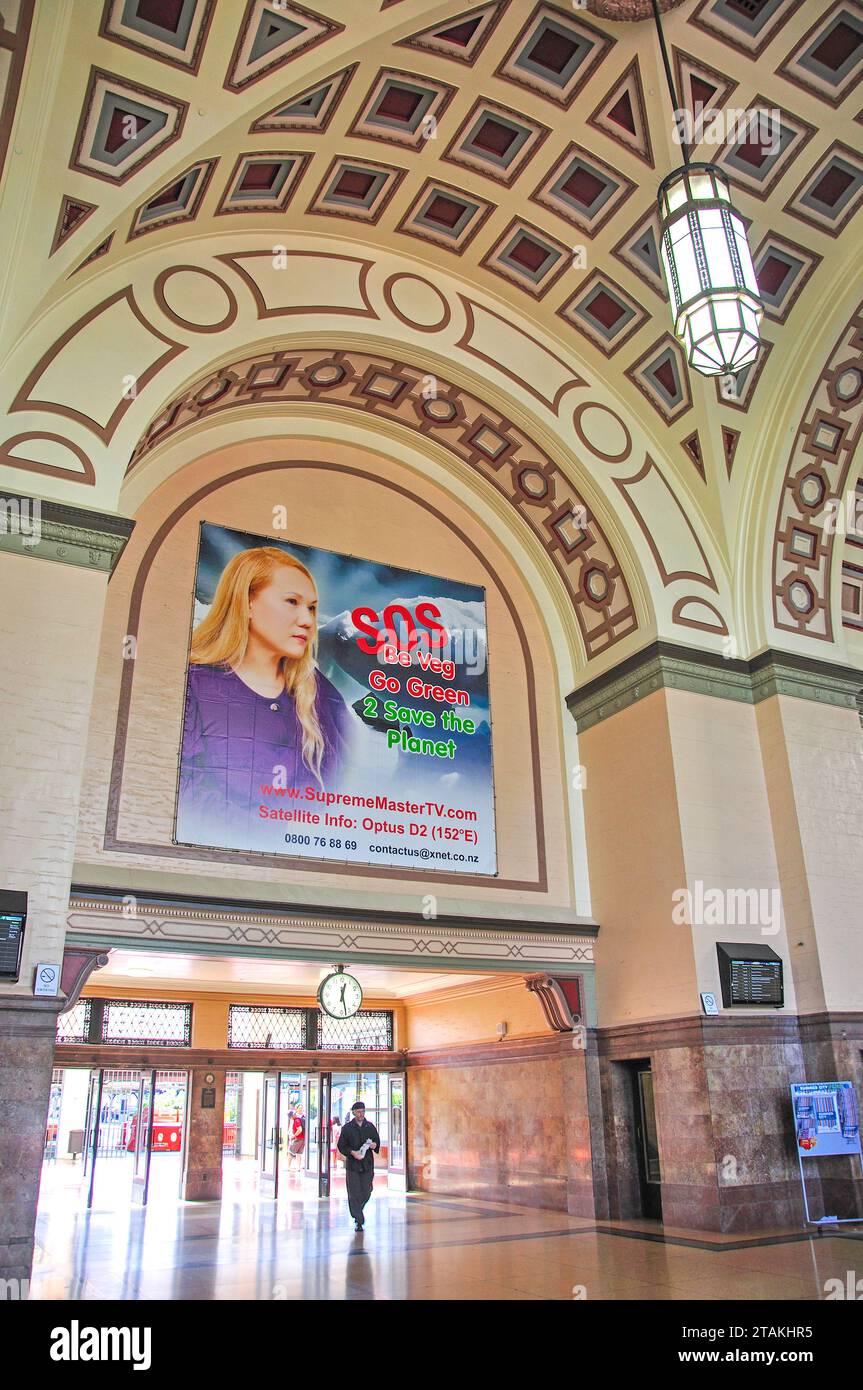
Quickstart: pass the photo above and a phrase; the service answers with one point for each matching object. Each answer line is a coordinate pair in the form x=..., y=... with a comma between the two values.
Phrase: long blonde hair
x=221, y=639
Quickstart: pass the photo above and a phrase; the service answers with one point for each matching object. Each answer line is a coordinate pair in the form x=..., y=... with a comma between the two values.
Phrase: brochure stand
x=827, y=1125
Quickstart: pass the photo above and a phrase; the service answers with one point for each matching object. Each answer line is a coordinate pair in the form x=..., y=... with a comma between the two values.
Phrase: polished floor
x=413, y=1247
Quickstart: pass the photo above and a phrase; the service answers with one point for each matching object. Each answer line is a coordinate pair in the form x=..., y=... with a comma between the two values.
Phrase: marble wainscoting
x=503, y=1121
x=27, y=1033
x=723, y=1114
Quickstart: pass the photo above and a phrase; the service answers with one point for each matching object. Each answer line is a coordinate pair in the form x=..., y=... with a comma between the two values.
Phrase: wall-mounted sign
x=336, y=708
x=750, y=974
x=13, y=917
x=47, y=980
x=709, y=1003
x=208, y=1097
x=826, y=1118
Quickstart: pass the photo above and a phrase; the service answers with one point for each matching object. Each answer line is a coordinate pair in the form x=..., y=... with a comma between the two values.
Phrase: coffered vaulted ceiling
x=463, y=185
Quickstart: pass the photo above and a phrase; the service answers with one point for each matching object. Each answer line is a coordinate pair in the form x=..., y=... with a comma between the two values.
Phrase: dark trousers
x=359, y=1187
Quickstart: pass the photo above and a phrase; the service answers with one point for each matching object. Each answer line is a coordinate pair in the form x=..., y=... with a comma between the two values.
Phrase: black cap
x=357, y=1105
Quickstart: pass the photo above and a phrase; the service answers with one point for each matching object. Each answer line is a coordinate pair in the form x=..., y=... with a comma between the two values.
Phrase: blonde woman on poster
x=258, y=710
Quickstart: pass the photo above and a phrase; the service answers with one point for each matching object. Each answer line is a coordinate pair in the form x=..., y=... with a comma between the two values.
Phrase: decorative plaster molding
x=70, y=535
x=666, y=665
x=394, y=938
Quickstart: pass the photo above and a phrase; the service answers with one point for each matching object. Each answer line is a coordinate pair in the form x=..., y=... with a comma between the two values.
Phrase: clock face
x=340, y=995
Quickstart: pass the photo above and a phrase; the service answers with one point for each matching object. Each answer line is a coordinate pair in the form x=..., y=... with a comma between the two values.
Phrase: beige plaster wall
x=813, y=758
x=353, y=514
x=473, y=1015
x=645, y=964
x=50, y=619
x=725, y=829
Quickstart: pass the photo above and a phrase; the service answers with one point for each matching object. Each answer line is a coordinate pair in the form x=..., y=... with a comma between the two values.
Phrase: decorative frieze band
x=455, y=943
x=70, y=535
x=667, y=665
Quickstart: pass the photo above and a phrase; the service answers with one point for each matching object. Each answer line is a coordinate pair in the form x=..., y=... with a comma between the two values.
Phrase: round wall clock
x=340, y=995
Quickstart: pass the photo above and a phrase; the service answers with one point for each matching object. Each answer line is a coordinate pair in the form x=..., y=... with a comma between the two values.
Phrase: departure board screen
x=11, y=936
x=756, y=982
x=750, y=973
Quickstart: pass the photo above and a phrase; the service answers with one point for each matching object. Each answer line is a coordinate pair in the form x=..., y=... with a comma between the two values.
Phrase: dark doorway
x=646, y=1144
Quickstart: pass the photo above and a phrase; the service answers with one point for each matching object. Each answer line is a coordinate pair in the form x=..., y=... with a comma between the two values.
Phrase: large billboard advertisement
x=336, y=708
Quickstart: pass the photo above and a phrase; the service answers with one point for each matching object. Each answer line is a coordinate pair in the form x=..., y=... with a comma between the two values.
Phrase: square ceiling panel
x=555, y=54
x=496, y=141
x=583, y=190
x=828, y=60
x=263, y=182
x=174, y=31
x=402, y=108
x=782, y=269
x=604, y=312
x=831, y=193
x=445, y=215
x=528, y=257
x=747, y=25
x=357, y=188
x=767, y=140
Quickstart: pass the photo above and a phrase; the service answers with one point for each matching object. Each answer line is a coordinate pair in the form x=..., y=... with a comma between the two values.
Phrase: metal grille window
x=371, y=1030
x=74, y=1026
x=254, y=1025
x=156, y=1024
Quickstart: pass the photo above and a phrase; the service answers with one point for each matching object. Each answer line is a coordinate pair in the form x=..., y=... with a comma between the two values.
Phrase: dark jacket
x=352, y=1137
x=233, y=741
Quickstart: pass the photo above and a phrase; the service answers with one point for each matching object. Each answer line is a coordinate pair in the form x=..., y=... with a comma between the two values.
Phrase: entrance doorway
x=116, y=1136
x=646, y=1143
x=280, y=1131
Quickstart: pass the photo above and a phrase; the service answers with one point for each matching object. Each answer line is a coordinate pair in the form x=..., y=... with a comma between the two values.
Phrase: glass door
x=326, y=1079
x=397, y=1178
x=91, y=1138
x=270, y=1107
x=313, y=1125
x=142, y=1125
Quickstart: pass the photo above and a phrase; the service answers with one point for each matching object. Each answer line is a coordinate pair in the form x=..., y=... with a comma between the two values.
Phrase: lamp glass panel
x=702, y=187
x=687, y=269
x=675, y=196
x=719, y=267
x=727, y=313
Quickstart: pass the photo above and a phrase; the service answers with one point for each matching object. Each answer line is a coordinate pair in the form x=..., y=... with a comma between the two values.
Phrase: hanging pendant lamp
x=707, y=263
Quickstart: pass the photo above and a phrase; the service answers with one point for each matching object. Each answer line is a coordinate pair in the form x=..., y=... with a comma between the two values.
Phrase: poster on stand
x=336, y=709
x=826, y=1118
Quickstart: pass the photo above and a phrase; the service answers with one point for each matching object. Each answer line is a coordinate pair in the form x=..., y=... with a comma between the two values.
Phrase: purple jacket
x=233, y=742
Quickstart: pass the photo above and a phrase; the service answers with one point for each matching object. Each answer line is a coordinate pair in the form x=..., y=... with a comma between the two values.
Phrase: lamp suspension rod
x=669, y=79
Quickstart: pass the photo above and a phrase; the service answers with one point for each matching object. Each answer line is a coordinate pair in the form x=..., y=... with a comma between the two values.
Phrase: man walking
x=359, y=1141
